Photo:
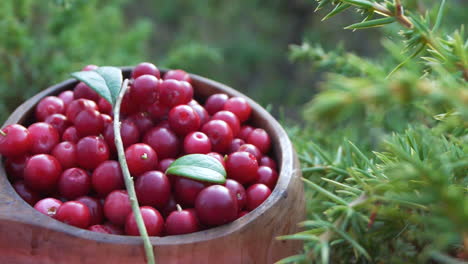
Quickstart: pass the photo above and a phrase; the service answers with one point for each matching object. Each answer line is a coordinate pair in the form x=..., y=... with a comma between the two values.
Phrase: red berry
x=74, y=213
x=158, y=111
x=145, y=68
x=242, y=213
x=89, y=123
x=114, y=229
x=95, y=209
x=65, y=153
x=215, y=103
x=143, y=122
x=128, y=107
x=238, y=191
x=153, y=188
x=173, y=93
x=182, y=222
x=242, y=167
x=164, y=141
x=245, y=132
x=30, y=196
x=267, y=176
x=90, y=67
x=220, y=135
x=128, y=131
x=15, y=140
x=240, y=107
x=104, y=106
x=14, y=167
x=70, y=134
x=152, y=219
x=58, y=121
x=144, y=90
x=78, y=105
x=230, y=118
x=259, y=137
x=84, y=91
x=186, y=190
x=107, y=177
x=256, y=195
x=67, y=97
x=215, y=205
x=197, y=142
x=269, y=162
x=183, y=120
x=42, y=173
x=252, y=149
x=91, y=151
x=44, y=137
x=141, y=158
x=73, y=183
x=107, y=120
x=48, y=106
x=201, y=112
x=218, y=157
x=48, y=206
x=100, y=229
x=179, y=75
x=117, y=207
x=235, y=145
x=170, y=207
x=164, y=164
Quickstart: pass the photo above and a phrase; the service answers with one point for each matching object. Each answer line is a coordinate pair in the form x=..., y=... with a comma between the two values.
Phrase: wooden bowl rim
x=280, y=141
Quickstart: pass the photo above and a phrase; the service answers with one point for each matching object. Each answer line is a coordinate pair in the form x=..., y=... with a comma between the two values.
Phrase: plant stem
x=128, y=178
x=2, y=133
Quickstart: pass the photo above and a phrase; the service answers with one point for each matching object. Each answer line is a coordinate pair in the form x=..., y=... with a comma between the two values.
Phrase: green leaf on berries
x=106, y=81
x=198, y=167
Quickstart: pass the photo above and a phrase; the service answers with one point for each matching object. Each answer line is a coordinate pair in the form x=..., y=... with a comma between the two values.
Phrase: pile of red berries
x=65, y=164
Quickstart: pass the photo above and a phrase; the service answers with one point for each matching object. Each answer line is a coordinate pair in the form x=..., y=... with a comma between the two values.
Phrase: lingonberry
x=117, y=207
x=67, y=97
x=215, y=103
x=48, y=106
x=43, y=136
x=84, y=91
x=242, y=213
x=256, y=195
x=182, y=222
x=173, y=93
x=145, y=68
x=70, y=134
x=128, y=107
x=215, y=205
x=89, y=123
x=252, y=149
x=142, y=120
x=58, y=121
x=91, y=151
x=238, y=191
x=114, y=229
x=78, y=105
x=158, y=111
x=104, y=106
x=201, y=112
x=42, y=173
x=152, y=219
x=153, y=188
x=144, y=90
x=140, y=158
x=267, y=176
x=230, y=118
x=90, y=67
x=269, y=162
x=186, y=190
x=30, y=196
x=170, y=207
x=48, y=206
x=128, y=131
x=100, y=229
x=65, y=153
x=183, y=120
x=245, y=131
x=235, y=145
x=220, y=135
x=164, y=141
x=164, y=124
x=179, y=75
x=197, y=142
x=240, y=107
x=15, y=140
x=73, y=183
x=74, y=213
x=106, y=120
x=95, y=209
x=218, y=157
x=164, y=164
x=242, y=167
x=14, y=166
x=107, y=177
x=260, y=138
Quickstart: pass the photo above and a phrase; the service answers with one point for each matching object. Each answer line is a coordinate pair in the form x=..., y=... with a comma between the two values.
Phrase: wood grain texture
x=27, y=236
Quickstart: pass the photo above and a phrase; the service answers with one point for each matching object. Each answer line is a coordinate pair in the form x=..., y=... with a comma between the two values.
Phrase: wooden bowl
x=27, y=236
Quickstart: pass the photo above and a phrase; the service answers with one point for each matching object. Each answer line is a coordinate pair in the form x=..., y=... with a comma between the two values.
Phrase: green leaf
x=338, y=9
x=372, y=23
x=198, y=167
x=106, y=81
x=360, y=3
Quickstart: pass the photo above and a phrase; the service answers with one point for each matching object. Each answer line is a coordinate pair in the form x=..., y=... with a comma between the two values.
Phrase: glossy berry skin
x=70, y=134
x=107, y=177
x=269, y=162
x=117, y=207
x=74, y=213
x=238, y=191
x=78, y=105
x=182, y=222
x=89, y=123
x=158, y=111
x=48, y=206
x=245, y=132
x=164, y=164
x=240, y=107
x=215, y=103
x=141, y=158
x=230, y=118
x=242, y=213
x=256, y=195
x=91, y=151
x=73, y=183
x=128, y=131
x=183, y=120
x=65, y=153
x=218, y=157
x=242, y=167
x=186, y=190
x=170, y=207
x=14, y=167
x=99, y=229
x=114, y=229
x=128, y=107
x=201, y=112
x=58, y=121
x=164, y=141
x=104, y=106
x=197, y=142
x=173, y=93
x=153, y=220
x=48, y=106
x=235, y=145
x=84, y=91
x=215, y=205
x=107, y=120
x=220, y=135
x=179, y=75
x=67, y=97
x=267, y=176
x=144, y=90
x=143, y=122
x=95, y=209
x=15, y=141
x=260, y=138
x=90, y=67
x=252, y=149
x=153, y=188
x=145, y=68
x=43, y=136
x=28, y=195
x=42, y=173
